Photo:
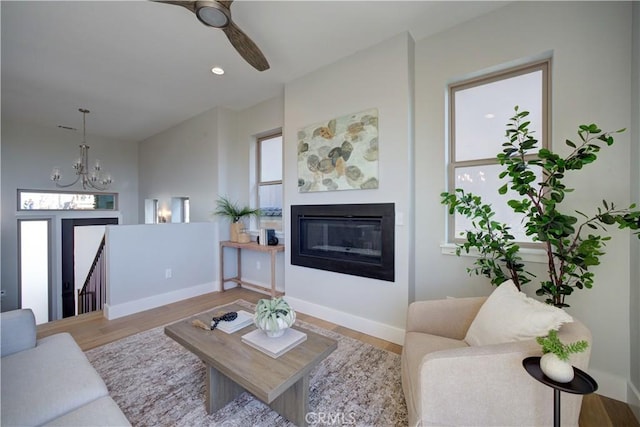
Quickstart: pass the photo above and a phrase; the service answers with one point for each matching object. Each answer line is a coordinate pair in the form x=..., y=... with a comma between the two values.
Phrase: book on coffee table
x=243, y=319
x=274, y=347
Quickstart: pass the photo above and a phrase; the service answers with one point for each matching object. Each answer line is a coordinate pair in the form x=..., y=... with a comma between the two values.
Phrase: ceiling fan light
x=212, y=16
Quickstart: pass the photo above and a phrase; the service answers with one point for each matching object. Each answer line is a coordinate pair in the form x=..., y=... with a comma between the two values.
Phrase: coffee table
x=234, y=367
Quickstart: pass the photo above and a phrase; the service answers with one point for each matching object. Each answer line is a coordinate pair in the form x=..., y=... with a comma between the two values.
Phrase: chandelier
x=90, y=178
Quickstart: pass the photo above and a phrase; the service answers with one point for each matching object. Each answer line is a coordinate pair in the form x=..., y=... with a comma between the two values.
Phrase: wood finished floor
x=93, y=330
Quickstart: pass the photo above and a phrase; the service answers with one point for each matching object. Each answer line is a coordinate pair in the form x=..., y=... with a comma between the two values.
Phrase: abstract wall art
x=341, y=154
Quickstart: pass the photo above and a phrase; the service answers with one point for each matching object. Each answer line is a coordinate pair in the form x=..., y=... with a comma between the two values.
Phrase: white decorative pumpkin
x=556, y=369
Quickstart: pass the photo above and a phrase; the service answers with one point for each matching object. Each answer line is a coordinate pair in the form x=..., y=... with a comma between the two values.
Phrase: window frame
x=259, y=182
x=452, y=165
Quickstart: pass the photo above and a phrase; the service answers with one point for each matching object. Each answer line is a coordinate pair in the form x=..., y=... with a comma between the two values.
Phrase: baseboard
x=267, y=286
x=131, y=307
x=633, y=399
x=360, y=324
x=611, y=386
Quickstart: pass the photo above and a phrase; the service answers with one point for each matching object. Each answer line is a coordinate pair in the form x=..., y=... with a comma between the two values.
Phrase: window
x=180, y=209
x=269, y=183
x=46, y=200
x=479, y=112
x=150, y=211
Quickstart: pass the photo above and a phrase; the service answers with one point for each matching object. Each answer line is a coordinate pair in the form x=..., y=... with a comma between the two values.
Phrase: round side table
x=582, y=383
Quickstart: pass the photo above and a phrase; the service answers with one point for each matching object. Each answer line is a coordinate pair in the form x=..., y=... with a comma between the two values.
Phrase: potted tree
x=573, y=242
x=231, y=211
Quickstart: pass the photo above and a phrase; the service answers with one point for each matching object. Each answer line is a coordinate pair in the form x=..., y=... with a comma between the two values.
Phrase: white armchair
x=446, y=382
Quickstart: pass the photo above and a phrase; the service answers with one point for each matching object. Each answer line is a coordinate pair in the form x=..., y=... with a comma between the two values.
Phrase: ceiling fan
x=217, y=14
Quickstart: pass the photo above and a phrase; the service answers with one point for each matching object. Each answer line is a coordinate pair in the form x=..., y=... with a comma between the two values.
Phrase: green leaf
x=544, y=153
x=570, y=253
x=607, y=219
x=593, y=128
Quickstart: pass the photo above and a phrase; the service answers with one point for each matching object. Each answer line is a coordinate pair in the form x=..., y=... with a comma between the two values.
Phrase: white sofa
x=50, y=381
x=447, y=382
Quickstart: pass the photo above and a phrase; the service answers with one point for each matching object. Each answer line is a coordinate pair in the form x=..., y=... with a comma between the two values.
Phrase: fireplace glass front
x=353, y=239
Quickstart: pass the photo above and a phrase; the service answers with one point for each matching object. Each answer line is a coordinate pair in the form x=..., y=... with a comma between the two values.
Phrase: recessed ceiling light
x=489, y=116
x=217, y=71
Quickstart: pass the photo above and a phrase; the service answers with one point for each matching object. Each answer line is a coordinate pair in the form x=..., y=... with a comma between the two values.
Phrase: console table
x=251, y=246
x=582, y=383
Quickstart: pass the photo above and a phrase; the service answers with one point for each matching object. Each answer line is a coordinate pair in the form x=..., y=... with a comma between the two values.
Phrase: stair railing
x=93, y=294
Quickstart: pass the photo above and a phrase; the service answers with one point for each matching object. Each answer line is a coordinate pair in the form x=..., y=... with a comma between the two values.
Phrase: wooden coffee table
x=234, y=367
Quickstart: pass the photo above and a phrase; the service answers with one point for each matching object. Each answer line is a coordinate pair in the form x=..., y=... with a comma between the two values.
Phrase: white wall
x=591, y=44
x=251, y=123
x=182, y=162
x=150, y=265
x=205, y=157
x=29, y=153
x=202, y=158
x=378, y=77
x=228, y=160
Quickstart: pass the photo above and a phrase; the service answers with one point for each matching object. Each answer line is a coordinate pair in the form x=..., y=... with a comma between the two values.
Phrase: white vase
x=556, y=369
x=277, y=333
x=282, y=325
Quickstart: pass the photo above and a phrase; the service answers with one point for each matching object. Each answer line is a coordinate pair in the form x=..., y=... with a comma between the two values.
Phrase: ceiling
x=142, y=67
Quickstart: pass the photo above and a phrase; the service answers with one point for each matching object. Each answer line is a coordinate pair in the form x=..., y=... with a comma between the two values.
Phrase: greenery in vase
x=269, y=311
x=572, y=243
x=552, y=344
x=231, y=210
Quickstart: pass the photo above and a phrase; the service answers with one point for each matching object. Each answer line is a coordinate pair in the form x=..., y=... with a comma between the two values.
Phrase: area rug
x=156, y=382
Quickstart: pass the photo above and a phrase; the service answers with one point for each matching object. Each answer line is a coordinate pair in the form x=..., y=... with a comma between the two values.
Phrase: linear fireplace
x=355, y=239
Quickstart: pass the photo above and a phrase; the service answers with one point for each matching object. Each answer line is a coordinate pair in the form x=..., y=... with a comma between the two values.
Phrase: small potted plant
x=274, y=316
x=231, y=211
x=555, y=356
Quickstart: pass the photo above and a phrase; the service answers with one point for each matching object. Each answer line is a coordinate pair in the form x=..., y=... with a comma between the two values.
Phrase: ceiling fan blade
x=246, y=47
x=240, y=41
x=225, y=3
x=191, y=5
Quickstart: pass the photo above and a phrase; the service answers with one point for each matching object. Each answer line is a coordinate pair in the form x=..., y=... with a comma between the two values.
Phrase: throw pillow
x=509, y=315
